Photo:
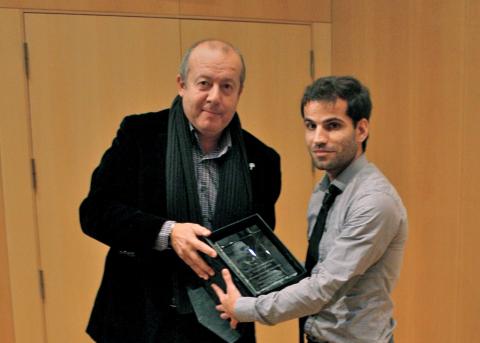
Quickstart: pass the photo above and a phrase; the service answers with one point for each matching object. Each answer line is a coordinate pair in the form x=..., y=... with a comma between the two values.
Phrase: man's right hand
x=184, y=240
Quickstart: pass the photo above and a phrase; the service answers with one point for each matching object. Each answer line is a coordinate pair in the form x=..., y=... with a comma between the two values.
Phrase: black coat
x=125, y=209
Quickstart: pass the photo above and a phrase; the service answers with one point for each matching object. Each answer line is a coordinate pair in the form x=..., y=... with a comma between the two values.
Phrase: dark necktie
x=314, y=242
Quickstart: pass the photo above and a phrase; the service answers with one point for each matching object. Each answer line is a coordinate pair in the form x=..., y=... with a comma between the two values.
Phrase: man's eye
x=228, y=87
x=310, y=126
x=333, y=126
x=203, y=83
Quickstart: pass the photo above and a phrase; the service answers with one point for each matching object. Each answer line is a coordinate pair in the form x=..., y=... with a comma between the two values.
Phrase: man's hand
x=184, y=240
x=227, y=300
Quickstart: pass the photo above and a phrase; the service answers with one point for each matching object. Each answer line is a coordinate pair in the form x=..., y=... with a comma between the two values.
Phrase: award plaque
x=256, y=258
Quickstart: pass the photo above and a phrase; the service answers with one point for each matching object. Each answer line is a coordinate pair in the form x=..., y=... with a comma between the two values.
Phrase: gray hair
x=184, y=65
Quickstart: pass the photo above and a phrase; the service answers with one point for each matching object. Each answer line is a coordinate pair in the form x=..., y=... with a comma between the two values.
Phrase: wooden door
x=86, y=73
x=277, y=63
x=6, y=311
x=20, y=276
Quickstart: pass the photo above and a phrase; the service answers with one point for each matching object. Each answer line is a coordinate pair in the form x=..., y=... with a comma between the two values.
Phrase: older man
x=169, y=178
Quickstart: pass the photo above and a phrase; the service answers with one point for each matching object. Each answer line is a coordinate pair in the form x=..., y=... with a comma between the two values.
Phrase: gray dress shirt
x=347, y=298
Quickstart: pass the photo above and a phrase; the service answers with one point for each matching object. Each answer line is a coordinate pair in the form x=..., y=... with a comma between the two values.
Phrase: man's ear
x=180, y=85
x=362, y=130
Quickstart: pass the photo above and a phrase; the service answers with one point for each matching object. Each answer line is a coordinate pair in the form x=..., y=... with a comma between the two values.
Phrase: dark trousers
x=309, y=341
x=184, y=328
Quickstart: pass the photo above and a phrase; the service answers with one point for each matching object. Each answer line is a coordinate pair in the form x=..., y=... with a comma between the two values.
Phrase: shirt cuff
x=163, y=238
x=245, y=309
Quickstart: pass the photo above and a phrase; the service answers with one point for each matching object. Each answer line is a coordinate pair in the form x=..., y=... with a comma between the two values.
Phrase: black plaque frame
x=259, y=262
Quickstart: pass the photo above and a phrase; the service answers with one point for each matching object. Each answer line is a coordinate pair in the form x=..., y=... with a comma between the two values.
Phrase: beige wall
x=421, y=59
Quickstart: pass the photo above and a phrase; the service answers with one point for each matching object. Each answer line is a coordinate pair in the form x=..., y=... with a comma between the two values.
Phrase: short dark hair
x=330, y=88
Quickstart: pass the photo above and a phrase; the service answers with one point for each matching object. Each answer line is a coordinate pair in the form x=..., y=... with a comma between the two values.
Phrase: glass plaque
x=257, y=259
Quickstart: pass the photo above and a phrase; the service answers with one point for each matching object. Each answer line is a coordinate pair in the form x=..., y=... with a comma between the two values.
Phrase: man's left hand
x=228, y=299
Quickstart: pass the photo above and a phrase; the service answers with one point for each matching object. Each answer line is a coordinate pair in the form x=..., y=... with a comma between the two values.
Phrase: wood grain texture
x=286, y=10
x=468, y=313
x=19, y=207
x=87, y=73
x=165, y=7
x=7, y=333
x=420, y=60
x=305, y=10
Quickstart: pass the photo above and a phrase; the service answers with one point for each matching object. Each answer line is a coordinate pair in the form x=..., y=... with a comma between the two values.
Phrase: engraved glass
x=256, y=256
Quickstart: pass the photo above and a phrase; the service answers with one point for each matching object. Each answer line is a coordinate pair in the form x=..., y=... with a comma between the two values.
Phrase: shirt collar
x=342, y=180
x=224, y=144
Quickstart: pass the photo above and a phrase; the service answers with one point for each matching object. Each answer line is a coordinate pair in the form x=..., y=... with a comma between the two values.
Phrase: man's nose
x=214, y=94
x=320, y=136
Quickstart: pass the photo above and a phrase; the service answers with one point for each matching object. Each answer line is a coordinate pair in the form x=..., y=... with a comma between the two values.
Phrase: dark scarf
x=234, y=198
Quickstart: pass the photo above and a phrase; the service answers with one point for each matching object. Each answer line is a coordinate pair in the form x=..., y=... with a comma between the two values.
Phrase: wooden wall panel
x=292, y=10
x=410, y=54
x=305, y=10
x=19, y=206
x=435, y=92
x=6, y=311
x=467, y=273
x=322, y=49
x=164, y=7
